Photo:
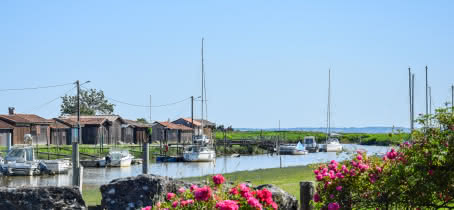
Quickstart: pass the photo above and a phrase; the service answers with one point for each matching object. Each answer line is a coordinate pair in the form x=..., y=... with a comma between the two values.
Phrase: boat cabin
x=20, y=153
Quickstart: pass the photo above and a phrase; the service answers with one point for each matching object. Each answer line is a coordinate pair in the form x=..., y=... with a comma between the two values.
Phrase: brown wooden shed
x=23, y=124
x=171, y=133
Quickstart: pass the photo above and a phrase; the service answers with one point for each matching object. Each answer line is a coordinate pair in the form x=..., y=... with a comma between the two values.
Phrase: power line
x=35, y=88
x=146, y=106
x=47, y=103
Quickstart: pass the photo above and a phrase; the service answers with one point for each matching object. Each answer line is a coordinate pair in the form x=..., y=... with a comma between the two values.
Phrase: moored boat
x=291, y=149
x=199, y=153
x=311, y=144
x=119, y=158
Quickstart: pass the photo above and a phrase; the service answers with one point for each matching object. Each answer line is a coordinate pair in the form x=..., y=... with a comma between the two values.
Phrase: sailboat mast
x=328, y=121
x=203, y=85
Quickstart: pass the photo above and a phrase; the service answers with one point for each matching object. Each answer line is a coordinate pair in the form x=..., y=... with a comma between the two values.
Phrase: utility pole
x=192, y=116
x=452, y=97
x=412, y=102
x=146, y=151
x=427, y=94
x=411, y=107
x=279, y=145
x=430, y=104
x=77, y=181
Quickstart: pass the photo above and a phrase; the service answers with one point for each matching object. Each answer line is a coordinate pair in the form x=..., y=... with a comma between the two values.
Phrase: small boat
x=20, y=160
x=199, y=153
x=289, y=149
x=168, y=159
x=235, y=155
x=333, y=145
x=58, y=166
x=119, y=158
x=310, y=144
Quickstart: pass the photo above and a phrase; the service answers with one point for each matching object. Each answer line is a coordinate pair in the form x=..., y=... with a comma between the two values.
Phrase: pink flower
x=316, y=198
x=218, y=179
x=359, y=157
x=170, y=196
x=431, y=172
x=331, y=196
x=319, y=177
x=147, y=208
x=158, y=204
x=339, y=188
x=254, y=203
x=264, y=195
x=193, y=187
x=175, y=204
x=333, y=206
x=181, y=190
x=234, y=191
x=203, y=194
x=378, y=169
x=316, y=172
x=227, y=205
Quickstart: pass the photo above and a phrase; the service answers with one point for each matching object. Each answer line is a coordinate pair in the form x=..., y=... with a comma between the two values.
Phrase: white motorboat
x=289, y=149
x=119, y=158
x=199, y=153
x=58, y=166
x=20, y=160
x=310, y=144
x=333, y=145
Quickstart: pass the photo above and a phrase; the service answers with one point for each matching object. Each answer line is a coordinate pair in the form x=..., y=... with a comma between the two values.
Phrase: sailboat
x=289, y=149
x=332, y=143
x=201, y=150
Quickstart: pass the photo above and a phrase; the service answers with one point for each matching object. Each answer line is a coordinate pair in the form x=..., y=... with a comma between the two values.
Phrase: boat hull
x=333, y=148
x=199, y=156
x=58, y=167
x=126, y=162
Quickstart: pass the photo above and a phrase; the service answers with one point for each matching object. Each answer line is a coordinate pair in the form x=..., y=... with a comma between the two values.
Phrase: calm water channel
x=99, y=176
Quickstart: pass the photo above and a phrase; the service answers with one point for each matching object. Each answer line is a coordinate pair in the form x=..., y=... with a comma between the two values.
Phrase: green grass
x=295, y=136
x=287, y=179
x=91, y=195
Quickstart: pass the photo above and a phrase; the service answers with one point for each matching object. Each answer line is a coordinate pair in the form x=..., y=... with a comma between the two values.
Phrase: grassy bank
x=287, y=179
x=295, y=136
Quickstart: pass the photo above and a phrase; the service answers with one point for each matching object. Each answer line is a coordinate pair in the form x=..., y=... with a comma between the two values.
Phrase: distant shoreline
x=369, y=130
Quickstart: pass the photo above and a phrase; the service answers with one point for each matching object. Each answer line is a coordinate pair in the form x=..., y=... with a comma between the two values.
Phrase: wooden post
x=146, y=158
x=307, y=190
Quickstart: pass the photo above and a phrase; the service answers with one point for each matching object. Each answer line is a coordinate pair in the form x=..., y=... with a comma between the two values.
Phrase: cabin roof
x=94, y=119
x=5, y=125
x=25, y=118
x=137, y=124
x=174, y=126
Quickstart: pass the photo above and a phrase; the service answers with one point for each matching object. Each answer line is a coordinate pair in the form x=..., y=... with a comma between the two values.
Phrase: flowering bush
x=419, y=174
x=213, y=197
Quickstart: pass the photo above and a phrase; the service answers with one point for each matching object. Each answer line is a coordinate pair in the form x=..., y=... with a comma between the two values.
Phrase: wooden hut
x=5, y=130
x=62, y=131
x=135, y=132
x=23, y=124
x=100, y=129
x=207, y=125
x=170, y=133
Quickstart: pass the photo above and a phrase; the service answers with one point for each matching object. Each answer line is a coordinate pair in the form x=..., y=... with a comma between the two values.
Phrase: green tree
x=142, y=120
x=92, y=102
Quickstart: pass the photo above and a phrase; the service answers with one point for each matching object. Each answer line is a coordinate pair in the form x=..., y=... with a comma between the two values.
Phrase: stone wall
x=146, y=190
x=31, y=198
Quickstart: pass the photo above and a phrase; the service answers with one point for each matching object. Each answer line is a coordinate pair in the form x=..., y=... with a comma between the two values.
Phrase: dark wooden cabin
x=100, y=129
x=171, y=133
x=5, y=130
x=207, y=126
x=135, y=132
x=62, y=131
x=22, y=124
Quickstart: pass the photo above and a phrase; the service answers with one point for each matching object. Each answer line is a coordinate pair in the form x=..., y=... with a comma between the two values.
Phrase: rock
x=41, y=198
x=283, y=199
x=147, y=190
x=138, y=191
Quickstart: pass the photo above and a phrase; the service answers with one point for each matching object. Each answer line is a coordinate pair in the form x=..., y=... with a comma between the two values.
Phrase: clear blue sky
x=265, y=60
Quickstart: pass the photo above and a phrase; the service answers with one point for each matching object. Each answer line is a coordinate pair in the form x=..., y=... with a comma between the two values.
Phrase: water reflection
x=227, y=164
